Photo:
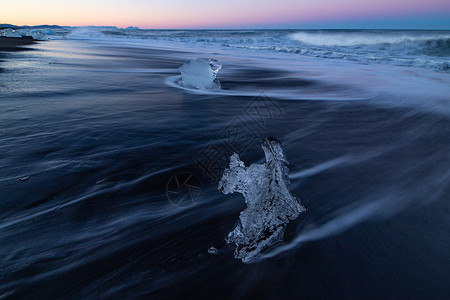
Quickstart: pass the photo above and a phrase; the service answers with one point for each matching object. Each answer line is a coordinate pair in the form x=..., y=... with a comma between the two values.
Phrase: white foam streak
x=176, y=82
x=359, y=39
x=342, y=222
x=321, y=167
x=381, y=205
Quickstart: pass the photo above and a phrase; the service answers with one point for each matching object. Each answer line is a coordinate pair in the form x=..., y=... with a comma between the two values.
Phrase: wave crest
x=364, y=39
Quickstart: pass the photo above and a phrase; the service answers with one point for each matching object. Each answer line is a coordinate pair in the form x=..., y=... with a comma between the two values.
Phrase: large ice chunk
x=9, y=32
x=37, y=34
x=200, y=73
x=270, y=203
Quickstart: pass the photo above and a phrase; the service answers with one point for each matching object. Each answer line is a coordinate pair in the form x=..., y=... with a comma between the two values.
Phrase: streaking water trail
x=321, y=167
x=91, y=136
x=344, y=221
x=174, y=81
x=386, y=204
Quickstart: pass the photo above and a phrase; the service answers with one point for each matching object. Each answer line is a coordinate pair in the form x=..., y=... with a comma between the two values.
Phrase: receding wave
x=423, y=49
x=286, y=94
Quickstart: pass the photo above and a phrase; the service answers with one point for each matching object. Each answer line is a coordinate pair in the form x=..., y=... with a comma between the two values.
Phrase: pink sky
x=209, y=13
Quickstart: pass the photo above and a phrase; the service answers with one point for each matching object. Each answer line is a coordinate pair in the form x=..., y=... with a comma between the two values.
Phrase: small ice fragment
x=200, y=73
x=24, y=178
x=270, y=203
x=212, y=250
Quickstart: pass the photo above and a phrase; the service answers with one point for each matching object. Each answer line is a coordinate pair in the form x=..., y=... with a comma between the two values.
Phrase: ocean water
x=109, y=167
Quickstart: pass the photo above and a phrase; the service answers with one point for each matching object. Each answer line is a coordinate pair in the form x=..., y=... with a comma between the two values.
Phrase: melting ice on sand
x=270, y=203
x=200, y=73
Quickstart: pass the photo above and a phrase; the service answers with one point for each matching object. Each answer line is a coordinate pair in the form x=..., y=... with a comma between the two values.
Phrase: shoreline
x=10, y=44
x=93, y=140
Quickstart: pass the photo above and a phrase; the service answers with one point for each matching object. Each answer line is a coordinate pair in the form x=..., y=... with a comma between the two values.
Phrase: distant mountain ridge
x=4, y=26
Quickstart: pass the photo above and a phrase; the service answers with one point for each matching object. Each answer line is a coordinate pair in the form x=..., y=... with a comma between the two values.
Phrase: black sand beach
x=93, y=134
x=15, y=44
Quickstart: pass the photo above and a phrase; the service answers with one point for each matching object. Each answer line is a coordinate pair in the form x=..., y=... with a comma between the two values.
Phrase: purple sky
x=230, y=13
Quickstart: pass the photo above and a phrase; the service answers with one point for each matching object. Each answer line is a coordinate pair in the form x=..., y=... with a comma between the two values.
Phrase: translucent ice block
x=200, y=73
x=270, y=203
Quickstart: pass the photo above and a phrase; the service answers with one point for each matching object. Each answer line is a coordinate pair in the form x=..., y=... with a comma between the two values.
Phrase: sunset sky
x=427, y=14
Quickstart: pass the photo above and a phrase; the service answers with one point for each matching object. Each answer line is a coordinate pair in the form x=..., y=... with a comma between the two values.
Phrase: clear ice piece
x=200, y=73
x=270, y=203
x=213, y=250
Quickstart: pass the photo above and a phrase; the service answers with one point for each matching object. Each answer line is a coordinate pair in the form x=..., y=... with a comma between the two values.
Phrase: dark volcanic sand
x=92, y=140
x=15, y=44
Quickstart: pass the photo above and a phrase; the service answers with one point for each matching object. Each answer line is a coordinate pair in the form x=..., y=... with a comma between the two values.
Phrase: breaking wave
x=423, y=49
x=364, y=39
